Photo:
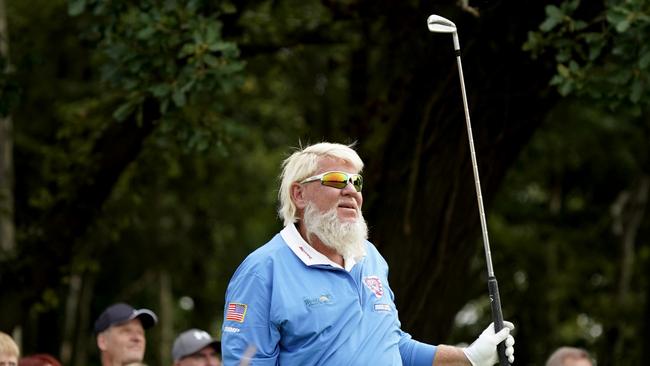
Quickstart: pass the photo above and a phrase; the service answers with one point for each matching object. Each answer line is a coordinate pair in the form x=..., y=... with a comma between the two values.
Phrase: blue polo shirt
x=287, y=304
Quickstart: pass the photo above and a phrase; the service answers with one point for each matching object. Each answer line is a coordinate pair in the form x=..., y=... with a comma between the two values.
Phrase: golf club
x=438, y=24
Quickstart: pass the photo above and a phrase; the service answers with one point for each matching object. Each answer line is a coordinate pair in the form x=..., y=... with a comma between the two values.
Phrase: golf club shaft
x=493, y=288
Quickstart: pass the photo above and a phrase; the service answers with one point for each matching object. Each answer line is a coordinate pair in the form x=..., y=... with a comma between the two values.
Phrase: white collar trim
x=307, y=254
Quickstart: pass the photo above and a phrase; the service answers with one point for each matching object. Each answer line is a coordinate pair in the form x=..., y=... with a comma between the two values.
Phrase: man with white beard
x=317, y=293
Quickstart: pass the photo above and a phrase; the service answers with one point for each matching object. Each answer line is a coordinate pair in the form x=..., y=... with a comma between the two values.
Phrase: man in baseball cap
x=196, y=347
x=120, y=334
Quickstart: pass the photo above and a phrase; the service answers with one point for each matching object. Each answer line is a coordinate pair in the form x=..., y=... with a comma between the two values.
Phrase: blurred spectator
x=569, y=356
x=196, y=347
x=40, y=359
x=9, y=352
x=120, y=334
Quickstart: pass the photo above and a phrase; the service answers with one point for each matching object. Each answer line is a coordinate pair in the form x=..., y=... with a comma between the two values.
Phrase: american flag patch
x=236, y=312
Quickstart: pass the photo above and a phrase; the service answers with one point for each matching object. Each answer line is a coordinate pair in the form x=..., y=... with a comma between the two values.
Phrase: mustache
x=348, y=204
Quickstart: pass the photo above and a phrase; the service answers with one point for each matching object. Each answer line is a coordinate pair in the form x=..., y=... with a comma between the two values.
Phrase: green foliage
x=602, y=56
x=201, y=193
x=196, y=214
x=173, y=51
x=556, y=215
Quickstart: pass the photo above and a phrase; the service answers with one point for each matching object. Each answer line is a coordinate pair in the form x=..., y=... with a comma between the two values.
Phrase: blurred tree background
x=141, y=144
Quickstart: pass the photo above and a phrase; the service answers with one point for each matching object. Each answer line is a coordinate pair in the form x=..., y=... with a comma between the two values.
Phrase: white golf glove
x=483, y=352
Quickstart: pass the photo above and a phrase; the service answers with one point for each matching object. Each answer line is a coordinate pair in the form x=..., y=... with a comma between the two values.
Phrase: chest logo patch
x=374, y=284
x=324, y=299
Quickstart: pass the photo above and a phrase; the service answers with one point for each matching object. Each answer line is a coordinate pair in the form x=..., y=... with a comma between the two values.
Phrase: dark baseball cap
x=121, y=313
x=192, y=341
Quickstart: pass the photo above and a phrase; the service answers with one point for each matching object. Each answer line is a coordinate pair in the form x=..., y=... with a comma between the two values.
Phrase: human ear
x=101, y=341
x=297, y=194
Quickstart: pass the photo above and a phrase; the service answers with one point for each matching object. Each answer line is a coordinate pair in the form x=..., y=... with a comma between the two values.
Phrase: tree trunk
x=628, y=212
x=82, y=329
x=70, y=317
x=630, y=221
x=645, y=321
x=166, y=324
x=7, y=237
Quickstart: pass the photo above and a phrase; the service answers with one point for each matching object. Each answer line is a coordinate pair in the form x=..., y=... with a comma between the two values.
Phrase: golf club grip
x=497, y=318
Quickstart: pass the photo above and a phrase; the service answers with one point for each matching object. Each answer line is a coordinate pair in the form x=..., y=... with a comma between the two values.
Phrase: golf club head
x=438, y=24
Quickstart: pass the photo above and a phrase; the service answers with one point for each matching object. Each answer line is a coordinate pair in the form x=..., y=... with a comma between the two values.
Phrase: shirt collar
x=309, y=255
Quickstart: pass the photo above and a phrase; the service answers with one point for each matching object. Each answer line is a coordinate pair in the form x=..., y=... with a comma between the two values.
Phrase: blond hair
x=303, y=163
x=8, y=346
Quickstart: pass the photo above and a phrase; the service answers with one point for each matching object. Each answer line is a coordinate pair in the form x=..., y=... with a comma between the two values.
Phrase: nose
x=349, y=188
x=350, y=192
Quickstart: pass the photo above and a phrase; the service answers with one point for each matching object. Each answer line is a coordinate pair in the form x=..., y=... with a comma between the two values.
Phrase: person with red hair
x=41, y=359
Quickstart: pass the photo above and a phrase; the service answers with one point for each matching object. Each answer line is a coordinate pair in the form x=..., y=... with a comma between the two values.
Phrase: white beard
x=347, y=238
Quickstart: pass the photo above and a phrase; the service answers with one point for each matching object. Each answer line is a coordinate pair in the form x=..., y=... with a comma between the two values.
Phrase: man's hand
x=483, y=352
